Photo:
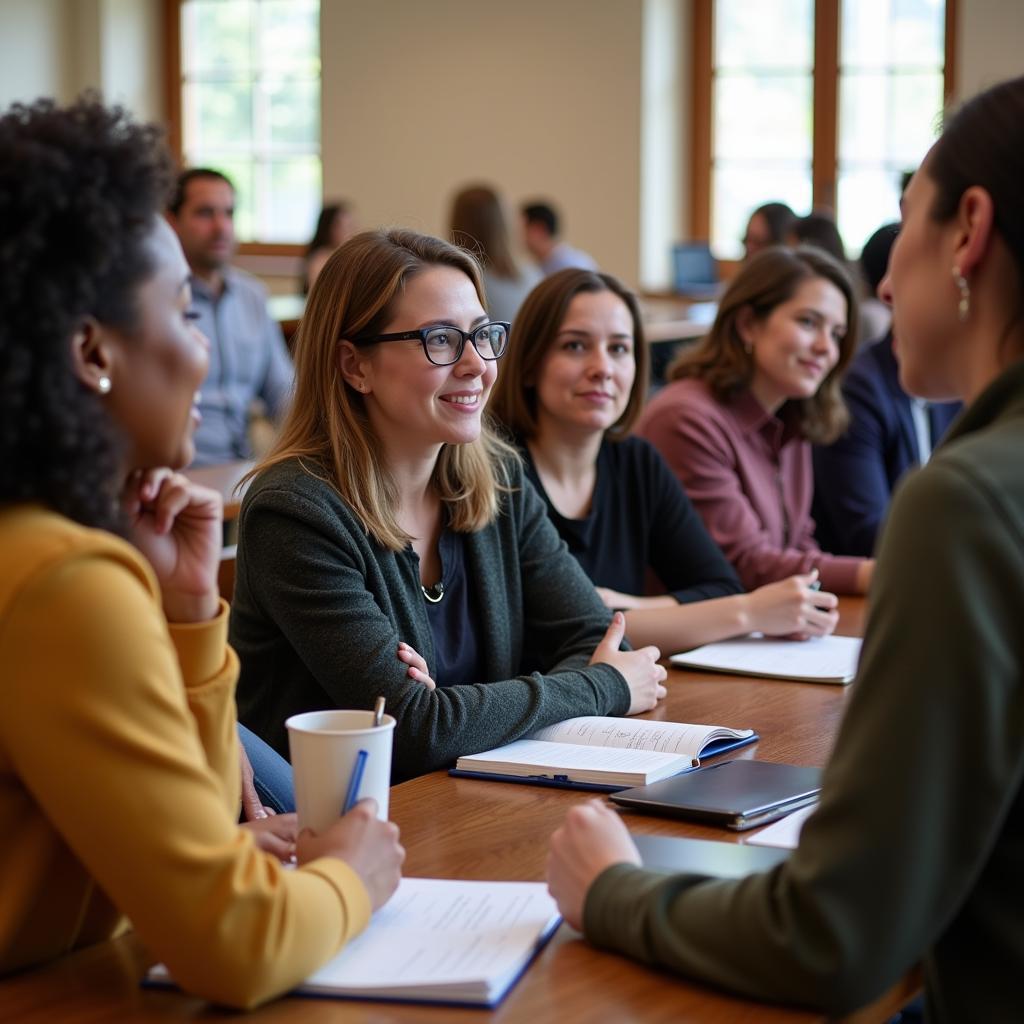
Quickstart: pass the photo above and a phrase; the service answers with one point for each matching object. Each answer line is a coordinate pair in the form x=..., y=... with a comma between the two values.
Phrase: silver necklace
x=435, y=593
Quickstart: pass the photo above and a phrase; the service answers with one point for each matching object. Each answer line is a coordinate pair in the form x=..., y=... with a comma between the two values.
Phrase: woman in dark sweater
x=389, y=542
x=914, y=852
x=572, y=387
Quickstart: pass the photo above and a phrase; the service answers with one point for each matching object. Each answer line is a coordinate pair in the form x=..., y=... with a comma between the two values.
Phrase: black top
x=452, y=618
x=640, y=519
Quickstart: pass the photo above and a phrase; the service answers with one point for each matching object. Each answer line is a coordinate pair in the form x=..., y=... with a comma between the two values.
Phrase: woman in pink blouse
x=736, y=420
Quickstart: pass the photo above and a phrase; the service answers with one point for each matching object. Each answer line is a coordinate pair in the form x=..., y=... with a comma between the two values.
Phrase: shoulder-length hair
x=540, y=318
x=478, y=223
x=327, y=426
x=769, y=279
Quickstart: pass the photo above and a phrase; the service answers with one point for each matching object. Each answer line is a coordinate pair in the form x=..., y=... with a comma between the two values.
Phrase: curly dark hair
x=80, y=187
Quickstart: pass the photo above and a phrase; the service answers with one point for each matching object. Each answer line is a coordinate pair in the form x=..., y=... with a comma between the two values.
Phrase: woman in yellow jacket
x=119, y=763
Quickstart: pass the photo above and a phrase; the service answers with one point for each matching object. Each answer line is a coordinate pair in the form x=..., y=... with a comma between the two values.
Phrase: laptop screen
x=693, y=267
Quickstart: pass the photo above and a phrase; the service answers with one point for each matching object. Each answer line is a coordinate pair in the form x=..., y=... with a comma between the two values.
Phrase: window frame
x=172, y=92
x=825, y=103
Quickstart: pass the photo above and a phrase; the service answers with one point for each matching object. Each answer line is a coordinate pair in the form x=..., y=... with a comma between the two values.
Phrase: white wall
x=537, y=97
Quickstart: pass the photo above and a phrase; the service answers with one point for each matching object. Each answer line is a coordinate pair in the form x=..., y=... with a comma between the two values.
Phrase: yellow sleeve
x=108, y=737
x=209, y=669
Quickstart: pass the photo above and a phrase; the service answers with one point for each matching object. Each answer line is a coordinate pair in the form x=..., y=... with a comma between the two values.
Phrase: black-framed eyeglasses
x=444, y=345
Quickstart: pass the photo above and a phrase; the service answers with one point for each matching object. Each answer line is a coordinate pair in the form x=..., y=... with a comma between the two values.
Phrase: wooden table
x=464, y=828
x=223, y=479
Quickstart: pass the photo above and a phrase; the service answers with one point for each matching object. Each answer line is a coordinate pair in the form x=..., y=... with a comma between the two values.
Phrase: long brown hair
x=769, y=279
x=514, y=399
x=327, y=426
x=478, y=224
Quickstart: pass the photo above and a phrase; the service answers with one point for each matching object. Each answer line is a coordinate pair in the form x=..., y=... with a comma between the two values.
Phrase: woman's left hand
x=276, y=835
x=593, y=838
x=417, y=670
x=177, y=525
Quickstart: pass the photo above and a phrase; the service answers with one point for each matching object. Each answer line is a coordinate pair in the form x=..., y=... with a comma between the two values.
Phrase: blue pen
x=353, y=783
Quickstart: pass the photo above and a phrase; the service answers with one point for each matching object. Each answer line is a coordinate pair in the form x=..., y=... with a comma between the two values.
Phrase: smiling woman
x=389, y=543
x=119, y=768
x=736, y=420
x=572, y=388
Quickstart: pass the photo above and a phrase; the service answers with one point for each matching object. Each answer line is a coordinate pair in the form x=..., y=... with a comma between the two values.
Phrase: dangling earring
x=963, y=309
x=103, y=385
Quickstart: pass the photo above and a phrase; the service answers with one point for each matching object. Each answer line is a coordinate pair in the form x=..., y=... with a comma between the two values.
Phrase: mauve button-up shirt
x=749, y=474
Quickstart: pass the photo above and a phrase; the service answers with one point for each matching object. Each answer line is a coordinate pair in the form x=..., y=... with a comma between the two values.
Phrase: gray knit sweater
x=319, y=609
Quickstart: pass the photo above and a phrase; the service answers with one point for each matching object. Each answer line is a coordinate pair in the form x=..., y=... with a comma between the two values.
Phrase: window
x=891, y=93
x=762, y=111
x=817, y=103
x=247, y=86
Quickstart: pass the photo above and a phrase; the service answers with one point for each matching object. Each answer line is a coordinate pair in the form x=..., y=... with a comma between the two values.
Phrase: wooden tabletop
x=223, y=479
x=465, y=828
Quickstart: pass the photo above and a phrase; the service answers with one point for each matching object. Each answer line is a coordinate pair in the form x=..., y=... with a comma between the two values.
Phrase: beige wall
x=35, y=50
x=60, y=47
x=538, y=97
x=990, y=43
x=541, y=97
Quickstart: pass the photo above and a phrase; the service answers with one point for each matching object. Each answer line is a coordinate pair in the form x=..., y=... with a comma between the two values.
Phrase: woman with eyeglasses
x=119, y=780
x=571, y=389
x=914, y=853
x=737, y=418
x=389, y=545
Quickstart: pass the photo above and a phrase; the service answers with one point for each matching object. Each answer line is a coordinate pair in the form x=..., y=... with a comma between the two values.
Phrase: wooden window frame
x=172, y=97
x=825, y=143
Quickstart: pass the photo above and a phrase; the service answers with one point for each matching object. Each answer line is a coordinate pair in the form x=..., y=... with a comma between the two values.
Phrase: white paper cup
x=324, y=746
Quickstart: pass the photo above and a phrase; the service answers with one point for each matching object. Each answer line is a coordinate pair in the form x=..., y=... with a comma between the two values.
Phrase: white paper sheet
x=826, y=659
x=784, y=833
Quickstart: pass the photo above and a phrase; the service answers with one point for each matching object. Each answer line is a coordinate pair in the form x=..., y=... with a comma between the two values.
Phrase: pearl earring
x=103, y=385
x=963, y=309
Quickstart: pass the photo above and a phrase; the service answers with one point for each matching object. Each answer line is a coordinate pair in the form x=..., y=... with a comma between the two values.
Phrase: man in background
x=540, y=237
x=248, y=357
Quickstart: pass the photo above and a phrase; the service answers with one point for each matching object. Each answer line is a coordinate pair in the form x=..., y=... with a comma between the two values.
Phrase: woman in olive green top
x=916, y=849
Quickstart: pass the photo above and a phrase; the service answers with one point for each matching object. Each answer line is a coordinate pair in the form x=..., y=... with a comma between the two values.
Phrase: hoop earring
x=963, y=309
x=103, y=385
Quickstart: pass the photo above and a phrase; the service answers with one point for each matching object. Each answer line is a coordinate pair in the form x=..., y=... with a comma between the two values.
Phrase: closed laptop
x=735, y=794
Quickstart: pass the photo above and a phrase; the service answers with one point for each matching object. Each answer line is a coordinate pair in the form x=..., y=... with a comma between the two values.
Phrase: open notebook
x=438, y=941
x=605, y=753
